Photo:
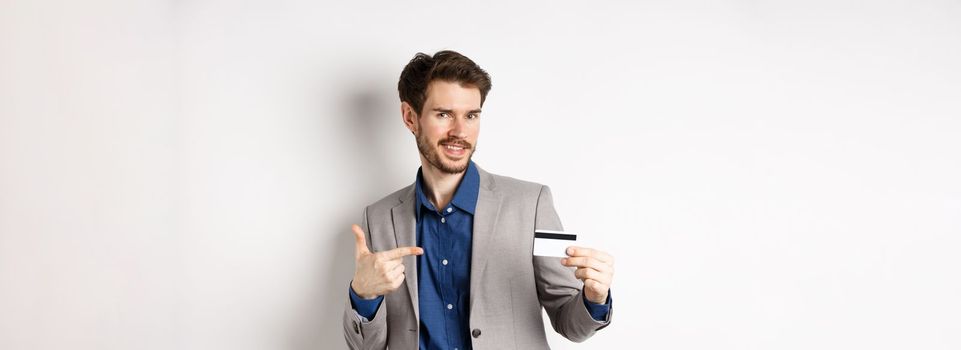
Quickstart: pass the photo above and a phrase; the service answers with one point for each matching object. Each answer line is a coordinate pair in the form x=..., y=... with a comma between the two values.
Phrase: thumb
x=360, y=241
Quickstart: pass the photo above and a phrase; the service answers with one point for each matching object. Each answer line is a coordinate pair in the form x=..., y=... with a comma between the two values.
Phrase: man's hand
x=379, y=273
x=595, y=268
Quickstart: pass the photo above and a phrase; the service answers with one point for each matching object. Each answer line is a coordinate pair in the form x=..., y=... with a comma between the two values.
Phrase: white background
x=769, y=175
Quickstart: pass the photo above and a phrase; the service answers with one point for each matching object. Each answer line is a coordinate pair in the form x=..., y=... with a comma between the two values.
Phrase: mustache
x=455, y=142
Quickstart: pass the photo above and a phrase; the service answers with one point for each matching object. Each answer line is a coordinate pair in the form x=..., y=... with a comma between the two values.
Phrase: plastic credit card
x=553, y=243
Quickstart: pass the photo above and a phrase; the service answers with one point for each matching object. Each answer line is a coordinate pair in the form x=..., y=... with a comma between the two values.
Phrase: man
x=446, y=263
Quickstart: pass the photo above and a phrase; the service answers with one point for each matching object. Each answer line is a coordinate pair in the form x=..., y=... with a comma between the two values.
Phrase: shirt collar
x=465, y=197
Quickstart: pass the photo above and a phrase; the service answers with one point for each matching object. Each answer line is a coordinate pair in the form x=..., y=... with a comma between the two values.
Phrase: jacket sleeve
x=560, y=293
x=360, y=332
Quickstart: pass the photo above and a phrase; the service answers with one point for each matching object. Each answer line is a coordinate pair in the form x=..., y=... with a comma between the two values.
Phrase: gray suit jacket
x=508, y=285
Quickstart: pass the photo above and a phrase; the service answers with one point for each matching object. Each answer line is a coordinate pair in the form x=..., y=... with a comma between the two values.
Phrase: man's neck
x=439, y=187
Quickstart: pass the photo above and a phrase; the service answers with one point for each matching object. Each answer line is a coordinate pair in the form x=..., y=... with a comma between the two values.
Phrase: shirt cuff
x=598, y=311
x=365, y=308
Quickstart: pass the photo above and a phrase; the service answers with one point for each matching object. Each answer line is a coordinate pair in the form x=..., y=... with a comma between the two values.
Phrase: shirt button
x=444, y=262
x=449, y=306
x=443, y=220
x=450, y=209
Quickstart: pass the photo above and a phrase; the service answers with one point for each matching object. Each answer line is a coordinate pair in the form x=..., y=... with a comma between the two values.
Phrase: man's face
x=448, y=125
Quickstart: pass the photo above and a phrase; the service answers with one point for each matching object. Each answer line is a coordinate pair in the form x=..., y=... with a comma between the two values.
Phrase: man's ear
x=409, y=117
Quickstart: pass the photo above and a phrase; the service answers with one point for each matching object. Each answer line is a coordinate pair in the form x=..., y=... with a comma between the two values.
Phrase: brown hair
x=444, y=65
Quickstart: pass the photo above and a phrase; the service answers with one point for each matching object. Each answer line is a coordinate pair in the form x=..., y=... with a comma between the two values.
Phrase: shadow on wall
x=363, y=115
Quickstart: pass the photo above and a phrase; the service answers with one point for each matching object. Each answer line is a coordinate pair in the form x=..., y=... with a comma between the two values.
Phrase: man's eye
x=472, y=116
x=443, y=115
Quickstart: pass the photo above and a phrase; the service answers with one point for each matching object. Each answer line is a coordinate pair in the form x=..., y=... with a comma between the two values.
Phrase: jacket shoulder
x=391, y=200
x=510, y=186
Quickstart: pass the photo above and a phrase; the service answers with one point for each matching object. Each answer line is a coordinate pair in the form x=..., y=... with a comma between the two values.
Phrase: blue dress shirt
x=443, y=271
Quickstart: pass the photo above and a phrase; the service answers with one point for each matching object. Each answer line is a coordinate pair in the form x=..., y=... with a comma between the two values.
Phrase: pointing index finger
x=401, y=252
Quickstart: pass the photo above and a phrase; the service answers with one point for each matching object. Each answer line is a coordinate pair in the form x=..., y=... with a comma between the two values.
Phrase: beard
x=433, y=157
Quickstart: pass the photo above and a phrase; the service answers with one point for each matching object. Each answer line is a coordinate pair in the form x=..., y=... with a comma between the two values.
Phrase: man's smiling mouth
x=454, y=146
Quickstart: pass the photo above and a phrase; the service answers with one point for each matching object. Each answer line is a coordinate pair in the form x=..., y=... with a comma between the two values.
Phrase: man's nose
x=458, y=128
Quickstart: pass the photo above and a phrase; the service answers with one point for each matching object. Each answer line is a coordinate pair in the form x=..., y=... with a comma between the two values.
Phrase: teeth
x=454, y=147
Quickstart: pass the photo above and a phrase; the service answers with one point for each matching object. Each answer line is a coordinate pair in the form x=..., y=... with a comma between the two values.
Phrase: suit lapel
x=485, y=220
x=405, y=225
